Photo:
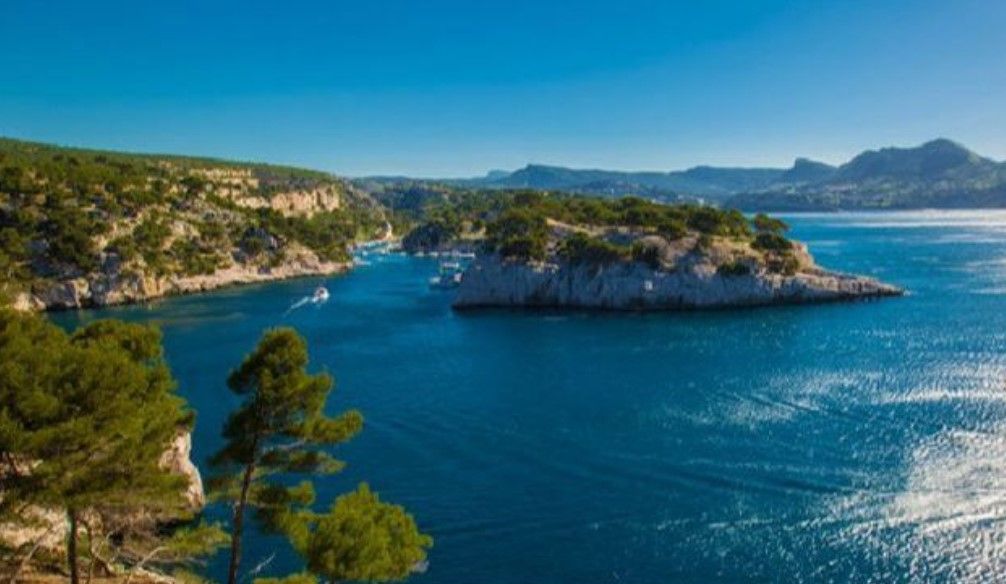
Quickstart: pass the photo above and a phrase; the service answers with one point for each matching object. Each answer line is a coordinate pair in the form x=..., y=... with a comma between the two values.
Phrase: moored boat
x=449, y=276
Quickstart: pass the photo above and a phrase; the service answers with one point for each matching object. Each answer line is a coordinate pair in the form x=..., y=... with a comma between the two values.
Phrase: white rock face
x=103, y=289
x=178, y=459
x=491, y=281
x=49, y=527
x=295, y=203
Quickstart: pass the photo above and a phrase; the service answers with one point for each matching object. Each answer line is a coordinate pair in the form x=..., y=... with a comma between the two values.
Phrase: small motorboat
x=449, y=276
x=320, y=295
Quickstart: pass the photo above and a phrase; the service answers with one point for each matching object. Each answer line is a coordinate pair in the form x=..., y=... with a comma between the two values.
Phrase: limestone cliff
x=121, y=287
x=48, y=527
x=696, y=280
x=90, y=228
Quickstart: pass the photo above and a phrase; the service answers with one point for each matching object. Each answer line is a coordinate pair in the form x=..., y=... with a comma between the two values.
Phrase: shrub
x=783, y=263
x=518, y=233
x=647, y=254
x=430, y=236
x=252, y=245
x=580, y=248
x=672, y=229
x=765, y=224
x=194, y=259
x=713, y=221
x=773, y=242
x=522, y=248
x=734, y=268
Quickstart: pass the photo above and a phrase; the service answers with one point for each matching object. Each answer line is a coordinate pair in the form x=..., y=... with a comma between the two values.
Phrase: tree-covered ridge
x=539, y=226
x=68, y=212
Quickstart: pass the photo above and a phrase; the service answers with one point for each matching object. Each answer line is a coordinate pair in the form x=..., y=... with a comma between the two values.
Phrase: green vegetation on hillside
x=534, y=225
x=67, y=212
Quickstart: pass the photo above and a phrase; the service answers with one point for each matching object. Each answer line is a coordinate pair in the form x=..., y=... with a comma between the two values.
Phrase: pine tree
x=84, y=421
x=280, y=428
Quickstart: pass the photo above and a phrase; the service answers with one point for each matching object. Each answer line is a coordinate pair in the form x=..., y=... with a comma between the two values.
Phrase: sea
x=847, y=442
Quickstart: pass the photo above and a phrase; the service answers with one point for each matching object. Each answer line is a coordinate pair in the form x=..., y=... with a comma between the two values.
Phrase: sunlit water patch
x=948, y=521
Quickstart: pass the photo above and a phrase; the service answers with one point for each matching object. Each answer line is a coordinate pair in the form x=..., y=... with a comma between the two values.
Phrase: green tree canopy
x=280, y=428
x=364, y=539
x=360, y=539
x=765, y=224
x=85, y=420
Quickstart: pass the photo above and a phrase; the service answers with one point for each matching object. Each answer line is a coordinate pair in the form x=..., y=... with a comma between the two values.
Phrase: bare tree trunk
x=142, y=562
x=71, y=548
x=90, y=551
x=236, y=530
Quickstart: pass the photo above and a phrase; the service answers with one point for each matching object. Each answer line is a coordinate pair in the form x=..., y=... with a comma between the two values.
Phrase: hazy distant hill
x=807, y=171
x=932, y=160
x=707, y=182
x=939, y=173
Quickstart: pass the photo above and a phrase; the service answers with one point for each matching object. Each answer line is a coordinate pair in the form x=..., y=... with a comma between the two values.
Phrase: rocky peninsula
x=685, y=279
x=553, y=250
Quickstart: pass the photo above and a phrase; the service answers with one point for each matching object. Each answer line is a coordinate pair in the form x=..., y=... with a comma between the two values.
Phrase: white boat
x=449, y=277
x=320, y=295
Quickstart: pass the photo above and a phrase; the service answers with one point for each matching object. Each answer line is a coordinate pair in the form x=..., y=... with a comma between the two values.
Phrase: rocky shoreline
x=491, y=281
x=101, y=290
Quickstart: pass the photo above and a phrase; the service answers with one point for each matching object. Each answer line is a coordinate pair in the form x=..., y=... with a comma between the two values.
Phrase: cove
x=855, y=441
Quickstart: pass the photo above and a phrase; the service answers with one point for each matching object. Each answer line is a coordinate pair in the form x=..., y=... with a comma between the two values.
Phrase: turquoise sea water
x=843, y=442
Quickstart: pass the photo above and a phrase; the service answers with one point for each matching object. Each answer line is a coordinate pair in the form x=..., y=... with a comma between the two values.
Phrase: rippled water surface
x=845, y=442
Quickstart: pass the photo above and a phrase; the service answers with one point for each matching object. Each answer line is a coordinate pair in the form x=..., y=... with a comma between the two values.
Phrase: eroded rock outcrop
x=177, y=459
x=47, y=528
x=697, y=280
x=117, y=287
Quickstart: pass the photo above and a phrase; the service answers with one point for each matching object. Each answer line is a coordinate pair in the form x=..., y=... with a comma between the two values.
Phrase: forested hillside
x=137, y=225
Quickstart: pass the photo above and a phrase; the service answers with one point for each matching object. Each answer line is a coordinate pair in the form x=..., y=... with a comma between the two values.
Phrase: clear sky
x=454, y=88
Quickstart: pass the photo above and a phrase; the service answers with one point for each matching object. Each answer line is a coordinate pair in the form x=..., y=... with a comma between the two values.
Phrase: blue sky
x=454, y=88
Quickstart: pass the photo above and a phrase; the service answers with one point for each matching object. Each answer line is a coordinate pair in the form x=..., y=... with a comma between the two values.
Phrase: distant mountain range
x=940, y=173
x=701, y=181
x=937, y=174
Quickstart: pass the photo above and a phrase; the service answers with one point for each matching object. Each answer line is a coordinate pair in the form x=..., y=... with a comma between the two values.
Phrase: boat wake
x=319, y=297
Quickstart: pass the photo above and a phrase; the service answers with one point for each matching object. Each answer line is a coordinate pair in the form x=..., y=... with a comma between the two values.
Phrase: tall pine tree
x=280, y=428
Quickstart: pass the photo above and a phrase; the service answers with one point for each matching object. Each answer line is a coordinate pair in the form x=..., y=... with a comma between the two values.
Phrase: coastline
x=101, y=291
x=491, y=282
